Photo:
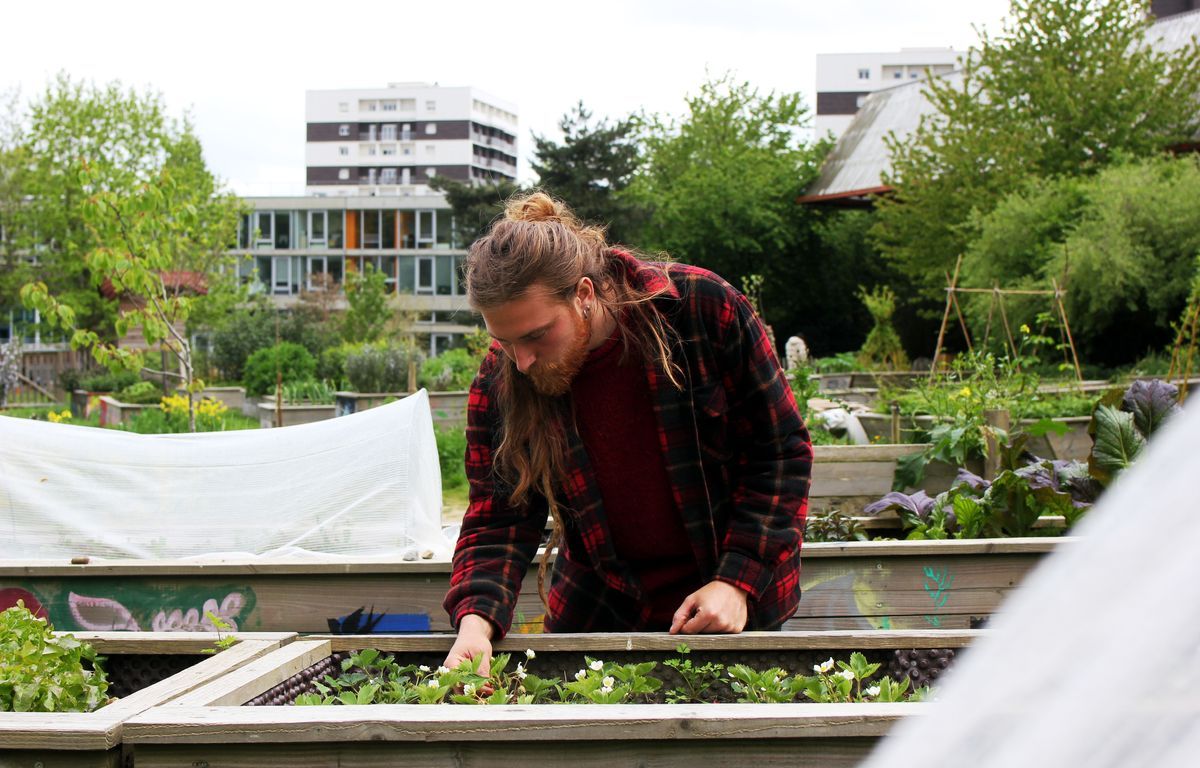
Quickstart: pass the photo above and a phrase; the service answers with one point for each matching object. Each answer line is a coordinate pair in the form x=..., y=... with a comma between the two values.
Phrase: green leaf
x=1117, y=443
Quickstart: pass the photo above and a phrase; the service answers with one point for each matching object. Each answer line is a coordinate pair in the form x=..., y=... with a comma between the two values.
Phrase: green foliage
x=368, y=312
x=452, y=451
x=832, y=526
x=331, y=365
x=843, y=362
x=172, y=418
x=590, y=168
x=698, y=679
x=309, y=391
x=882, y=349
x=1066, y=88
x=1127, y=239
x=377, y=368
x=451, y=371
x=108, y=381
x=718, y=189
x=41, y=672
x=141, y=393
x=293, y=360
x=474, y=205
x=846, y=684
x=224, y=642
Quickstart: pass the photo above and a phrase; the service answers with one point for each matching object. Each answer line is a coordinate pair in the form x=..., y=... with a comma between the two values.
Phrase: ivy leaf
x=1117, y=443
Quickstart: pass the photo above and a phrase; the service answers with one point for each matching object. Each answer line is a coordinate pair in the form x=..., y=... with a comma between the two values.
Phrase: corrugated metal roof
x=857, y=163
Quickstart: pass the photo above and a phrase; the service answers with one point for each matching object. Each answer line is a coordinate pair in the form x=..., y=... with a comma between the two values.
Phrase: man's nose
x=523, y=357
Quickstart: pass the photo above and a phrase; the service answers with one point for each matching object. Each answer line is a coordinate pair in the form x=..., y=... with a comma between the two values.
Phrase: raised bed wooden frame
x=94, y=738
x=210, y=727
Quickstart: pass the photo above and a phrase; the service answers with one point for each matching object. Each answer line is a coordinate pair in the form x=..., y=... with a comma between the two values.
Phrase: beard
x=554, y=378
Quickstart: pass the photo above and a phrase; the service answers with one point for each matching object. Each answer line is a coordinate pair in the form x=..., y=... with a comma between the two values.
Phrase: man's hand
x=474, y=641
x=715, y=608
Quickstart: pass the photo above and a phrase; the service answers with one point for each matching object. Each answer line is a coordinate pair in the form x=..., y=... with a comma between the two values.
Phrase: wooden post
x=937, y=350
x=1062, y=312
x=895, y=423
x=997, y=418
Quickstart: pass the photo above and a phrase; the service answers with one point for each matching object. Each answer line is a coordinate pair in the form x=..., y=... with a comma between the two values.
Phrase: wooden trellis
x=997, y=293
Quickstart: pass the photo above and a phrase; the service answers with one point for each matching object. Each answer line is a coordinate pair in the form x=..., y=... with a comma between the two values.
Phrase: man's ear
x=585, y=291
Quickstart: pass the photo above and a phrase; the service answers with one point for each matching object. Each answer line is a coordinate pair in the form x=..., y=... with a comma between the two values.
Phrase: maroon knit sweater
x=615, y=416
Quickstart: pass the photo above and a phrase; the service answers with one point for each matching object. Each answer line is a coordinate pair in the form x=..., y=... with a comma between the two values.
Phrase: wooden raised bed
x=293, y=415
x=849, y=477
x=145, y=670
x=860, y=585
x=211, y=726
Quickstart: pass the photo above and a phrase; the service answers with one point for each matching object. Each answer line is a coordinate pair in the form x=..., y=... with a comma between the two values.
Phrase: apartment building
x=845, y=79
x=290, y=245
x=391, y=141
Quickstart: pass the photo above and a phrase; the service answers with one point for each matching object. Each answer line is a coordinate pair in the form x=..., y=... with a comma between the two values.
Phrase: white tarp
x=1095, y=660
x=364, y=485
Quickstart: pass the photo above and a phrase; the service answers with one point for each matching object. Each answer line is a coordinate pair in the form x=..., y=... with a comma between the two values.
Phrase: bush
x=44, y=672
x=141, y=393
x=331, y=366
x=452, y=370
x=452, y=451
x=293, y=360
x=109, y=382
x=172, y=418
x=380, y=368
x=243, y=334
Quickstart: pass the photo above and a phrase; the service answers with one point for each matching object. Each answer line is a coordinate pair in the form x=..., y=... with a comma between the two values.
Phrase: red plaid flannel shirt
x=737, y=454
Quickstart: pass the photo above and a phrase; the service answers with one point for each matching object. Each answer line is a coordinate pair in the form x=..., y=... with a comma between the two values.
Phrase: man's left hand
x=715, y=608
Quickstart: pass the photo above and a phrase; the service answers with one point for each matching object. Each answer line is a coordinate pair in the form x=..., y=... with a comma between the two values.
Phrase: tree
x=1127, y=238
x=368, y=312
x=157, y=244
x=589, y=169
x=475, y=206
x=1067, y=87
x=719, y=186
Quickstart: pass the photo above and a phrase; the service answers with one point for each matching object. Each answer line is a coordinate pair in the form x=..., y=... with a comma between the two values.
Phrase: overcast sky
x=241, y=68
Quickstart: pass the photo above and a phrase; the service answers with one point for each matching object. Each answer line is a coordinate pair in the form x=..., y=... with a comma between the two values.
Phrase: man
x=641, y=406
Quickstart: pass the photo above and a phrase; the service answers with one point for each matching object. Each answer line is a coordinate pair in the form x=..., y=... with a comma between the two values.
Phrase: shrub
x=452, y=370
x=380, y=368
x=172, y=418
x=141, y=393
x=331, y=366
x=882, y=347
x=109, y=382
x=294, y=361
x=452, y=451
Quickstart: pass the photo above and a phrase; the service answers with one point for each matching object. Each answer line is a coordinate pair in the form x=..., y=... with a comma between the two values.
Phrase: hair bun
x=537, y=206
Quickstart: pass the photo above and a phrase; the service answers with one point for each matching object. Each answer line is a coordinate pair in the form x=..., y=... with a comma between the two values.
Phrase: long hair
x=539, y=241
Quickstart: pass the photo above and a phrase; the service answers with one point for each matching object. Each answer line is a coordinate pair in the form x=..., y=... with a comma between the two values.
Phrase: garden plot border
x=62, y=733
x=211, y=725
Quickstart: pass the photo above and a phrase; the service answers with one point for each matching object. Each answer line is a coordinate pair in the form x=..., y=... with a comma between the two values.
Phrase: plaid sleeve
x=497, y=541
x=773, y=454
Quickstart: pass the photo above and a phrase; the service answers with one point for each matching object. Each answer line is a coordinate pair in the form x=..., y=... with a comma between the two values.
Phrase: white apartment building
x=391, y=141
x=844, y=79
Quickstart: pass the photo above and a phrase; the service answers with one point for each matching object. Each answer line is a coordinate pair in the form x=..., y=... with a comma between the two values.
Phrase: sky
x=240, y=69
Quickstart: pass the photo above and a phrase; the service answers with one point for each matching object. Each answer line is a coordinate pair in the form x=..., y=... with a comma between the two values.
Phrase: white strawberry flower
x=432, y=684
x=529, y=654
x=846, y=674
x=521, y=671
x=608, y=683
x=606, y=689
x=443, y=670
x=469, y=689
x=873, y=690
x=827, y=665
x=597, y=665
x=580, y=674
x=423, y=668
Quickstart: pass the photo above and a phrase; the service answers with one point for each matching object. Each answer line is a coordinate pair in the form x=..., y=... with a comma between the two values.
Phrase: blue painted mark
x=402, y=622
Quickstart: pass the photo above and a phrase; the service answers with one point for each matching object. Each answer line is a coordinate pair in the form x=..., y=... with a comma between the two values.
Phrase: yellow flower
x=964, y=392
x=59, y=418
x=1024, y=328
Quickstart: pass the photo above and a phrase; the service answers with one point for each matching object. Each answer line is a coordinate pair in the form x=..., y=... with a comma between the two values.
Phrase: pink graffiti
x=100, y=614
x=198, y=620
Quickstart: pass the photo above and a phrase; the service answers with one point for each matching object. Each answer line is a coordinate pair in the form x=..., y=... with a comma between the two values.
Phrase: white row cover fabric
x=364, y=485
x=1095, y=660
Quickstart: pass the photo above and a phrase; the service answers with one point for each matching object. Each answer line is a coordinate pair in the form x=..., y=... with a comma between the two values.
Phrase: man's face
x=546, y=337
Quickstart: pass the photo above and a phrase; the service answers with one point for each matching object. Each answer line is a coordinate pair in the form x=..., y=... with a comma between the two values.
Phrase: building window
x=431, y=172
x=858, y=101
x=389, y=106
x=898, y=75
x=430, y=150
x=343, y=174
x=430, y=106
x=371, y=150
x=431, y=128
x=367, y=106
x=344, y=129
x=344, y=151
x=343, y=106
x=408, y=105
x=913, y=76
x=864, y=74
x=389, y=149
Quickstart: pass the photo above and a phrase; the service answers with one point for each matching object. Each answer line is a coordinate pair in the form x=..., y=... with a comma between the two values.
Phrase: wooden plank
x=718, y=753
x=661, y=641
x=155, y=643
x=101, y=730
x=411, y=722
x=55, y=758
x=238, y=687
x=888, y=452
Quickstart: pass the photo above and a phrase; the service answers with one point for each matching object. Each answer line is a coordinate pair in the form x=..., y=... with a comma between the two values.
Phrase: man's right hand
x=474, y=641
